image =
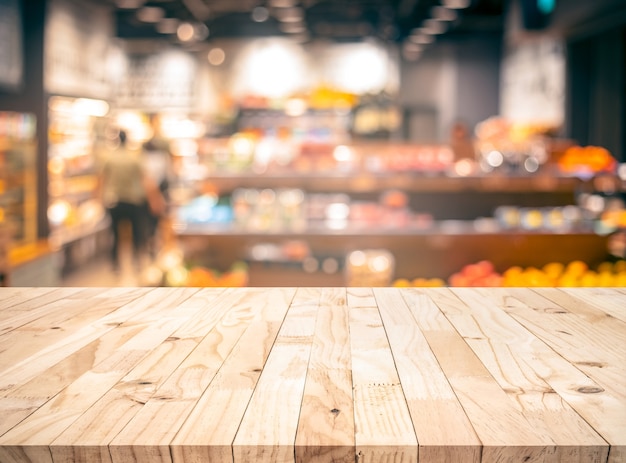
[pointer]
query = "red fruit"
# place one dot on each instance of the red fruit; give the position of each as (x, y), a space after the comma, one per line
(458, 280)
(472, 272)
(486, 266)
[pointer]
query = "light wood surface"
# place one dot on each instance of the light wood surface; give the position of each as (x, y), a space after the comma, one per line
(329, 374)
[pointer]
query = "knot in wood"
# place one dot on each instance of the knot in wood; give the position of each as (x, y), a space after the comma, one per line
(590, 389)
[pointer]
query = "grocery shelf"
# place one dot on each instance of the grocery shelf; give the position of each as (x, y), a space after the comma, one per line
(409, 182)
(426, 254)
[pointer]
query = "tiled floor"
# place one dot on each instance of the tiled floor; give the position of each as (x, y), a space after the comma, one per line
(99, 272)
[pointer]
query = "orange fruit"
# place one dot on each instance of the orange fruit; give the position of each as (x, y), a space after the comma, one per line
(401, 283)
(576, 268)
(553, 269)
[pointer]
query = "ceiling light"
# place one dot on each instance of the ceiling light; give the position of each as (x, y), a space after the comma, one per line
(293, 14)
(129, 4)
(282, 3)
(456, 4)
(413, 47)
(216, 56)
(150, 14)
(422, 39)
(200, 31)
(167, 26)
(432, 26)
(260, 14)
(185, 32)
(443, 14)
(292, 28)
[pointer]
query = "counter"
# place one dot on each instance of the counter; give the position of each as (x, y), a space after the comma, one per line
(312, 374)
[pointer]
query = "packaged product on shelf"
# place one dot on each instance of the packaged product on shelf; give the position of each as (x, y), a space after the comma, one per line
(369, 267)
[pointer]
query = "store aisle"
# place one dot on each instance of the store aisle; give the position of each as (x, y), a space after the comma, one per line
(98, 272)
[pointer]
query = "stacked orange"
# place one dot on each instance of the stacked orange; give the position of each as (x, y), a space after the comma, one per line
(553, 274)
(574, 274)
(236, 276)
(587, 158)
(418, 283)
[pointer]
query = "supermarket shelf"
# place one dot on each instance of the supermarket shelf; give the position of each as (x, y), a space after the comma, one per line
(446, 227)
(424, 254)
(408, 182)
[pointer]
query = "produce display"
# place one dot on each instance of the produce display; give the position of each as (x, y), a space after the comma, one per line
(587, 160)
(529, 154)
(200, 276)
(553, 274)
(282, 151)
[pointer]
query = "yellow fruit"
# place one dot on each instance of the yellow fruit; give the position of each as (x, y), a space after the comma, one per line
(606, 279)
(619, 266)
(605, 267)
(436, 283)
(589, 279)
(553, 269)
(513, 271)
(401, 283)
(567, 281)
(620, 279)
(576, 268)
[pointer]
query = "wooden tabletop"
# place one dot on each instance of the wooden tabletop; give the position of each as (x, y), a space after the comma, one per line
(312, 375)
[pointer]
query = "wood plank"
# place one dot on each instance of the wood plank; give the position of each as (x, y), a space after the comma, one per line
(505, 433)
(384, 431)
(580, 380)
(314, 374)
(267, 431)
(326, 429)
(22, 307)
(52, 321)
(606, 299)
(88, 438)
(444, 432)
(596, 344)
(210, 429)
(120, 349)
(12, 297)
(521, 364)
(169, 407)
(26, 367)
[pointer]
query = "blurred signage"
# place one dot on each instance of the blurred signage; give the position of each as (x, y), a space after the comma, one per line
(158, 81)
(533, 82)
(77, 41)
(11, 61)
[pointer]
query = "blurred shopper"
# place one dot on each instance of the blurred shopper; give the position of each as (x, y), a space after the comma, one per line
(461, 141)
(157, 164)
(125, 190)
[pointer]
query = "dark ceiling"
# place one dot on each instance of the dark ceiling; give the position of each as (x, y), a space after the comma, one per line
(339, 20)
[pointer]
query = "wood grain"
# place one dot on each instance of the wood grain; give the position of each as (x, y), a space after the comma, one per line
(430, 375)
(444, 432)
(504, 432)
(384, 431)
(217, 414)
(521, 364)
(120, 349)
(326, 430)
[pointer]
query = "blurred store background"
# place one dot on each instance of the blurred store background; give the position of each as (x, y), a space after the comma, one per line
(319, 142)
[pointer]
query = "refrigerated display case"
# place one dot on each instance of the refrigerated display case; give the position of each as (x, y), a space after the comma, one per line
(76, 134)
(18, 176)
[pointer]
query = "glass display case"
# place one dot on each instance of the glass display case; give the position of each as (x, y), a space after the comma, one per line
(74, 135)
(18, 176)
